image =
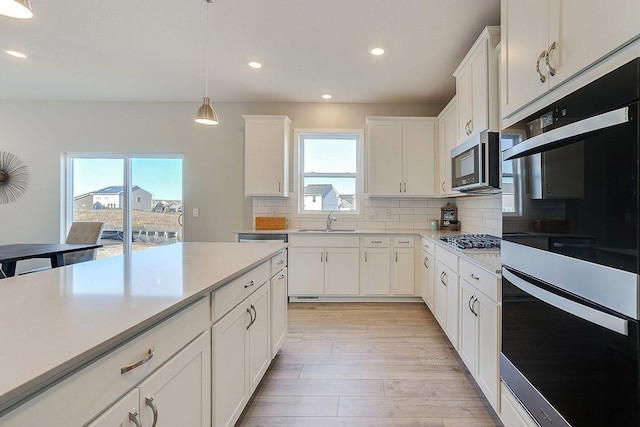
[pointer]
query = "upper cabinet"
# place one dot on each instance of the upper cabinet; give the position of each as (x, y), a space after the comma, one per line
(266, 155)
(447, 140)
(401, 153)
(547, 42)
(477, 86)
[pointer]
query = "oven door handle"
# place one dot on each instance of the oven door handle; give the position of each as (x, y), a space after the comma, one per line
(592, 315)
(601, 121)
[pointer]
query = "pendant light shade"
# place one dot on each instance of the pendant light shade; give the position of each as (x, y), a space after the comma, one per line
(20, 9)
(206, 115)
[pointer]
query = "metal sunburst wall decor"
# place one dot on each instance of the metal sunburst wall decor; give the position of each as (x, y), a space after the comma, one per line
(14, 177)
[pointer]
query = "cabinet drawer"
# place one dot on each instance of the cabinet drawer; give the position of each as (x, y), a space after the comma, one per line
(486, 282)
(403, 242)
(448, 258)
(375, 242)
(231, 294)
(278, 262)
(98, 385)
(428, 246)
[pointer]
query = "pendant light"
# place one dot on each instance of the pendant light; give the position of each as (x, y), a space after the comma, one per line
(206, 115)
(20, 9)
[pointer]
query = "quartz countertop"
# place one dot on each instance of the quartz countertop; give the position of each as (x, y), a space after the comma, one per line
(53, 320)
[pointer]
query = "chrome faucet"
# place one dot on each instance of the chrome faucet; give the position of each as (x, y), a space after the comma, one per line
(330, 219)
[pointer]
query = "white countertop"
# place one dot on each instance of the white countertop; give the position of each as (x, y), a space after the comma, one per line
(53, 320)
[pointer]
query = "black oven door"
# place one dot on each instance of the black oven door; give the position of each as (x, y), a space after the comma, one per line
(569, 361)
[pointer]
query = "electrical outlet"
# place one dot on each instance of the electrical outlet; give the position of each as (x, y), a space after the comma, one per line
(196, 212)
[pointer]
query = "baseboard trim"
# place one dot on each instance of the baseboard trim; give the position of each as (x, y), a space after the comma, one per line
(324, 298)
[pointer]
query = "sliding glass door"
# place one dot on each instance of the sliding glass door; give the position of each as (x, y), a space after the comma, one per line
(138, 197)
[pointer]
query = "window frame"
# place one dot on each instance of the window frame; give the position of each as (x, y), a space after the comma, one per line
(299, 136)
(518, 189)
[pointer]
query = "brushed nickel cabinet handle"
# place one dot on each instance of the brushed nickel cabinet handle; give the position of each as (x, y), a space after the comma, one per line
(396, 256)
(255, 315)
(135, 418)
(326, 256)
(152, 404)
(365, 256)
(279, 187)
(321, 256)
(376, 241)
(547, 62)
(470, 127)
(404, 241)
(401, 187)
(140, 362)
(473, 304)
(251, 283)
(443, 276)
(473, 276)
(426, 263)
(250, 318)
(280, 262)
(541, 76)
(443, 186)
(405, 187)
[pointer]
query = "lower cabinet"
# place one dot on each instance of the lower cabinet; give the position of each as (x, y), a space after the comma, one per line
(447, 301)
(279, 317)
(241, 355)
(324, 271)
(426, 278)
(178, 393)
(375, 271)
(403, 278)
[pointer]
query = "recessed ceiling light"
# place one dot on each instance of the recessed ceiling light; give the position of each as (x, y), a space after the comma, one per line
(16, 54)
(326, 96)
(377, 51)
(254, 64)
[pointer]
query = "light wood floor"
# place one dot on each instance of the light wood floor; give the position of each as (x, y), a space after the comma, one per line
(366, 365)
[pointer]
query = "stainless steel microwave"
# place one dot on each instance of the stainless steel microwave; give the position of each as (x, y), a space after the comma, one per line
(475, 164)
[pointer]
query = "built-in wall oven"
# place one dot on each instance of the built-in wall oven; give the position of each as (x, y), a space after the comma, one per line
(570, 294)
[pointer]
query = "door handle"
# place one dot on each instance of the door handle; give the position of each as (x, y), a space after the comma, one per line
(154, 409)
(250, 318)
(426, 263)
(135, 418)
(541, 76)
(365, 256)
(547, 62)
(150, 353)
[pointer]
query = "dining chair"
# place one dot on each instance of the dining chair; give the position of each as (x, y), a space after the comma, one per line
(83, 232)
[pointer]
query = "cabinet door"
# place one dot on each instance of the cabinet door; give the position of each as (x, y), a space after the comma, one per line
(266, 156)
(385, 158)
(429, 263)
(278, 311)
(443, 158)
(440, 296)
(451, 121)
(306, 271)
(479, 91)
(525, 35)
(403, 271)
(419, 158)
(375, 269)
(488, 374)
(179, 393)
(468, 326)
(259, 336)
(587, 30)
(123, 413)
(342, 276)
(464, 93)
(230, 376)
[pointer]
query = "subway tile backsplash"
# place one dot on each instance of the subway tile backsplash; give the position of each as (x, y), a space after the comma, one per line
(477, 214)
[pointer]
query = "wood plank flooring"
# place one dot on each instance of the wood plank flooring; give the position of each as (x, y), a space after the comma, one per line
(366, 365)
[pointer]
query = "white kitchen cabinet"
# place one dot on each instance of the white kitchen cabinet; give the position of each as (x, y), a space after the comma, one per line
(425, 273)
(375, 265)
(477, 86)
(401, 156)
(479, 329)
(241, 355)
(266, 155)
(446, 290)
(403, 276)
(125, 412)
(324, 265)
(179, 393)
(562, 34)
(447, 141)
(279, 317)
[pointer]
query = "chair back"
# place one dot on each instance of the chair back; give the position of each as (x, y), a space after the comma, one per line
(83, 232)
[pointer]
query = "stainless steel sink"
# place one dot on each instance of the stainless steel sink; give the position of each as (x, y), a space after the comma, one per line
(308, 230)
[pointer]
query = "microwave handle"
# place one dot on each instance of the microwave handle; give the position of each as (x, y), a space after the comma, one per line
(592, 315)
(601, 121)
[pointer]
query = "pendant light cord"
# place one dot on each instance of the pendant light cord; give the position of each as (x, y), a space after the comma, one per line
(206, 77)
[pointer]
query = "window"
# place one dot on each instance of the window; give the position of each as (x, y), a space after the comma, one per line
(138, 197)
(511, 187)
(329, 165)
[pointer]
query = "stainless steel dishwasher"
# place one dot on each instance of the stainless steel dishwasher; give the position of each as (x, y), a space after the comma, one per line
(262, 238)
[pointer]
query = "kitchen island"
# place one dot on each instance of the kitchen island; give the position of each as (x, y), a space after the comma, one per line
(56, 326)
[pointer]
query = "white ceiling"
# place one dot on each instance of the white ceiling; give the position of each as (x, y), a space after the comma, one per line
(144, 50)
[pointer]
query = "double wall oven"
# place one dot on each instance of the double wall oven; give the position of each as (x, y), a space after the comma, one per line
(570, 297)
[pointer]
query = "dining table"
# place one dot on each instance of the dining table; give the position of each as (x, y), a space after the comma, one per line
(12, 253)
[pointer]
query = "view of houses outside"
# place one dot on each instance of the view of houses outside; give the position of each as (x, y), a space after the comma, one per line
(156, 204)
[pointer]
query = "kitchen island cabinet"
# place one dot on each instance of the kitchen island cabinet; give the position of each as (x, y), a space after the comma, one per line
(136, 329)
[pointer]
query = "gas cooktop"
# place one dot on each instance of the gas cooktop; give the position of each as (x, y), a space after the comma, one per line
(472, 241)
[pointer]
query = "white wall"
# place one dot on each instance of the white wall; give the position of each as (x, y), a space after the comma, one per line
(41, 132)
